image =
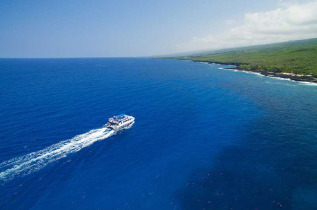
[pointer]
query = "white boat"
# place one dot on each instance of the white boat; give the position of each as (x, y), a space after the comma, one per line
(120, 122)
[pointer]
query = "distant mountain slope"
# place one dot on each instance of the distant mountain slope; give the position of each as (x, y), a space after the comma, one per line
(297, 57)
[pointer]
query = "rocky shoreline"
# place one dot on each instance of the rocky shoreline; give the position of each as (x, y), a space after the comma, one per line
(283, 75)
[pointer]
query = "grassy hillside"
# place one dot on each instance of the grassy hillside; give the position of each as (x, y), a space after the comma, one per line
(299, 57)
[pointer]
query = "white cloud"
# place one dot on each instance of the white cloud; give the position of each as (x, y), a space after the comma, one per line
(290, 21)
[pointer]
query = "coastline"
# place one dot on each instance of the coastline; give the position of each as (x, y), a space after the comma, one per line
(281, 75)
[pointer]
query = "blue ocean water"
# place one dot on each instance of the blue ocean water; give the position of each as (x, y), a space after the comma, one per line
(204, 138)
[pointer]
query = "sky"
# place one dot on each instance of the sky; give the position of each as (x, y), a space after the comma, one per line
(137, 28)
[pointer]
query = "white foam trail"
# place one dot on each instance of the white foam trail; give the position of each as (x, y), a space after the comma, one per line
(34, 161)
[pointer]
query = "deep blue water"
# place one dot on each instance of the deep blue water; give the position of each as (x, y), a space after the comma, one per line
(203, 137)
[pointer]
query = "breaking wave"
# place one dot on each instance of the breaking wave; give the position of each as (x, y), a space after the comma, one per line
(34, 161)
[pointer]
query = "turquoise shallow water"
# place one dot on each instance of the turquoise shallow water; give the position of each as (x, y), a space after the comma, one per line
(203, 137)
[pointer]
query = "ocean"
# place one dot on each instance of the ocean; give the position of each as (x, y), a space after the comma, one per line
(203, 138)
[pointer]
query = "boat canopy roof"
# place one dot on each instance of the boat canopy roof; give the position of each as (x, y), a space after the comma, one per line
(120, 115)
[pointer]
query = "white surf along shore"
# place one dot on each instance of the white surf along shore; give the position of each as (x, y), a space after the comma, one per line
(259, 74)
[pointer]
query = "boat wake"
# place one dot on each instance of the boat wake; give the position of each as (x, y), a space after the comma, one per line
(34, 161)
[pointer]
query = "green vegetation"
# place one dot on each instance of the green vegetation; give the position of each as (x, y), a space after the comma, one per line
(298, 57)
